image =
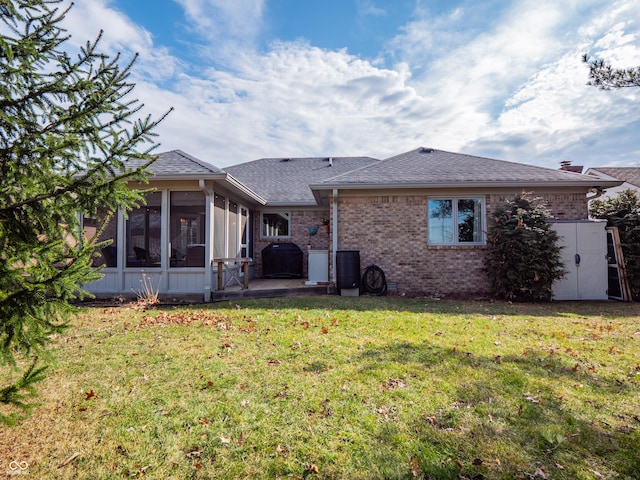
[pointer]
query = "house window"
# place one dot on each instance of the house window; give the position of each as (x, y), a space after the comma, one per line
(91, 226)
(455, 221)
(276, 224)
(187, 228)
(143, 233)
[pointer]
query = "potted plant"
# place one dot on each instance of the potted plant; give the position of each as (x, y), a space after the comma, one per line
(325, 224)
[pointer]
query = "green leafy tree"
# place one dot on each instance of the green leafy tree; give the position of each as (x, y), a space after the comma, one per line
(604, 76)
(623, 211)
(523, 257)
(67, 130)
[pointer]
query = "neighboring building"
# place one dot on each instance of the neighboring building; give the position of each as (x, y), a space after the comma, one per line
(630, 176)
(420, 216)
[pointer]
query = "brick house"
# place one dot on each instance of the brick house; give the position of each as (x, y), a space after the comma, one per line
(420, 216)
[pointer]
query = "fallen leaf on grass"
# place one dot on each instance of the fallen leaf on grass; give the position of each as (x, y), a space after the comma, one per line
(413, 464)
(325, 330)
(90, 394)
(393, 384)
(311, 468)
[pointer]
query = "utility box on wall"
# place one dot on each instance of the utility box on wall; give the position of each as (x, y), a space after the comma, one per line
(585, 260)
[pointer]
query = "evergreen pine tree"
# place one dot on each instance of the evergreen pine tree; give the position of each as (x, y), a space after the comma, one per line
(67, 129)
(523, 257)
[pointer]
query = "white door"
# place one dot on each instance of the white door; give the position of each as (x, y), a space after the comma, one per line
(585, 259)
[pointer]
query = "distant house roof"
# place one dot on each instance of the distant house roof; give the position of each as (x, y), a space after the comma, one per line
(630, 175)
(285, 181)
(430, 168)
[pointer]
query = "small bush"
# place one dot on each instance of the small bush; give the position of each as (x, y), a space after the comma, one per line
(523, 258)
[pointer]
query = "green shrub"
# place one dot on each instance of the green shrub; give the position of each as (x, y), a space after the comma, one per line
(523, 257)
(623, 211)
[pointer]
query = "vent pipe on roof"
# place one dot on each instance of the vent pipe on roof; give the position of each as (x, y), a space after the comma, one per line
(426, 150)
(330, 161)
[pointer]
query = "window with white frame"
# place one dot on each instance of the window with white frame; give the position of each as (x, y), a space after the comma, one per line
(455, 221)
(276, 224)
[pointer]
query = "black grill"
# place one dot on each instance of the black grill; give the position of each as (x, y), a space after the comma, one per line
(282, 260)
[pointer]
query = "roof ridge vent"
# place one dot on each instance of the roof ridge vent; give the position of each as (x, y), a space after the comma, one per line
(285, 159)
(426, 150)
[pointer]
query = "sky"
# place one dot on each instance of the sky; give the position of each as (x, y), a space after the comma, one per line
(504, 79)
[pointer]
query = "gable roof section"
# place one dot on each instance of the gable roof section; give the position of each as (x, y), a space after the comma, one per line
(630, 175)
(285, 181)
(430, 168)
(178, 165)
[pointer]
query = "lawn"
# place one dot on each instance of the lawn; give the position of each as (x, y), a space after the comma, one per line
(339, 387)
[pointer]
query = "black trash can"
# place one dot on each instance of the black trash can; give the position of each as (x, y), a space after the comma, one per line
(347, 269)
(282, 260)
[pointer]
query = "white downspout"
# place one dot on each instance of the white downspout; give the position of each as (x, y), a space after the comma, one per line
(334, 233)
(208, 240)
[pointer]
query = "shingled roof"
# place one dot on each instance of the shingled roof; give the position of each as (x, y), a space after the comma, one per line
(285, 181)
(430, 168)
(177, 163)
(627, 174)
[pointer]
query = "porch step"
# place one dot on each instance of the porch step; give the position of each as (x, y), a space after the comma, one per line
(233, 294)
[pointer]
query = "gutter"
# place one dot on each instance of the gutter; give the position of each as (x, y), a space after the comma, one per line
(467, 184)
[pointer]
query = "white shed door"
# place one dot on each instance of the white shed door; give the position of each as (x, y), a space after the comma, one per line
(585, 259)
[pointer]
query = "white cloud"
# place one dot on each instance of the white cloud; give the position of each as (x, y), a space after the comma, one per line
(225, 22)
(510, 87)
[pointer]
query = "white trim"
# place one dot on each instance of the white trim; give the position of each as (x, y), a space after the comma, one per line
(271, 212)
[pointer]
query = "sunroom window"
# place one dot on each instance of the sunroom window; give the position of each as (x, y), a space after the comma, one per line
(455, 221)
(143, 233)
(187, 229)
(276, 224)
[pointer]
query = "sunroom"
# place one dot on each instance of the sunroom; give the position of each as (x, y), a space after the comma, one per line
(194, 213)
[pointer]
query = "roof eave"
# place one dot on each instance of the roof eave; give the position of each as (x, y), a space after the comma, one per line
(597, 183)
(215, 177)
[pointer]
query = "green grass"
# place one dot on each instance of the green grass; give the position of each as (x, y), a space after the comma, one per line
(337, 387)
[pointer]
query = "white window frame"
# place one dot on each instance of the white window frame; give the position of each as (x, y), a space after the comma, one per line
(454, 204)
(264, 234)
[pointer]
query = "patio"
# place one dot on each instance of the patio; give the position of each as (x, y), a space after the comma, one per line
(271, 287)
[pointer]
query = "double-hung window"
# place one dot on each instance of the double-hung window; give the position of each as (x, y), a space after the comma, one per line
(455, 221)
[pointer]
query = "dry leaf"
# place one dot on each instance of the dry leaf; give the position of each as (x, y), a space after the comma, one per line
(90, 394)
(413, 464)
(325, 330)
(224, 439)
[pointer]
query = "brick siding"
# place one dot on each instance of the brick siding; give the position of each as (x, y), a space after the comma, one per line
(300, 220)
(391, 232)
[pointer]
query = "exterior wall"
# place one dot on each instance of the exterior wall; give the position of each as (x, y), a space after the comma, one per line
(390, 231)
(301, 219)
